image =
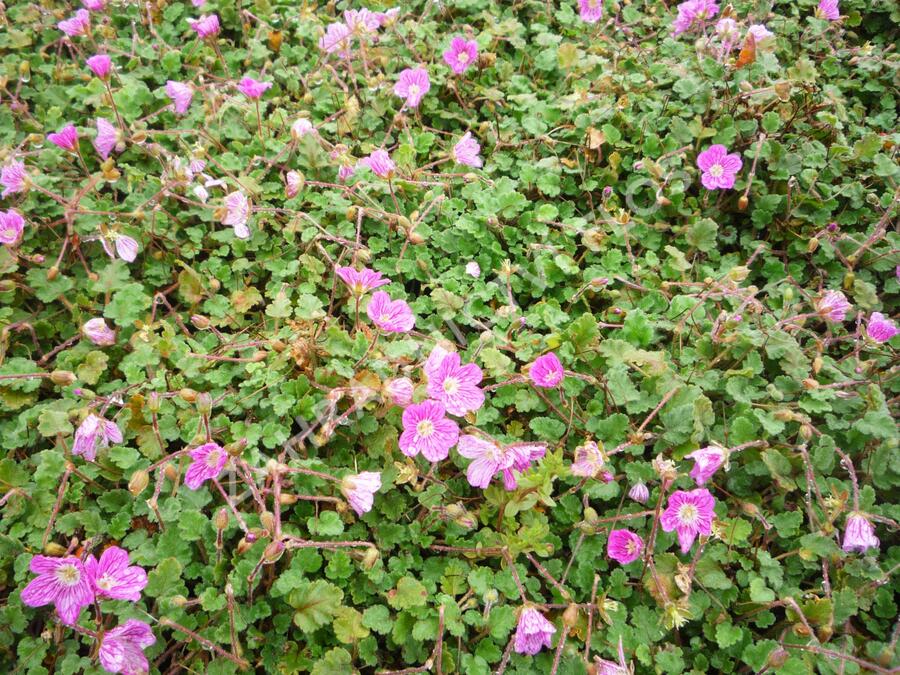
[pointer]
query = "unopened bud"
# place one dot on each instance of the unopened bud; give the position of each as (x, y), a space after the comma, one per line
(277, 345)
(570, 616)
(286, 499)
(153, 400)
(415, 238)
(812, 245)
(268, 520)
(171, 472)
(806, 432)
(743, 202)
(139, 481)
(187, 394)
(237, 448)
(204, 403)
(62, 378)
(243, 546)
(370, 557)
(259, 355)
(54, 549)
(221, 519)
(200, 322)
(178, 600)
(52, 273)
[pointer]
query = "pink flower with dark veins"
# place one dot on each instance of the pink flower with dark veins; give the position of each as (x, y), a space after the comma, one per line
(237, 213)
(361, 281)
(533, 632)
(181, 95)
(466, 151)
(360, 489)
(99, 333)
(337, 38)
(412, 85)
(828, 9)
(490, 458)
(100, 65)
(859, 535)
(880, 328)
(14, 178)
(380, 163)
(122, 648)
(624, 546)
(427, 430)
(106, 139)
(12, 226)
(76, 25)
(398, 391)
(94, 431)
(461, 54)
(546, 371)
(833, 306)
(391, 316)
(707, 461)
(456, 385)
(209, 460)
(590, 11)
(62, 582)
(112, 576)
(689, 514)
(66, 138)
(207, 26)
(253, 89)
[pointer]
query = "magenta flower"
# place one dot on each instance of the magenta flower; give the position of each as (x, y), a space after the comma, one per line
(491, 459)
(12, 225)
(359, 490)
(125, 247)
(379, 162)
(345, 171)
(253, 89)
(533, 632)
(689, 514)
(461, 54)
(14, 178)
(589, 460)
(412, 85)
(759, 32)
(361, 281)
(100, 65)
(94, 5)
(76, 25)
(336, 39)
(122, 648)
(94, 431)
(99, 333)
(391, 316)
(456, 386)
(880, 328)
(237, 213)
(546, 371)
(107, 137)
(301, 127)
(639, 493)
(434, 360)
(833, 306)
(205, 26)
(398, 391)
(209, 460)
(828, 9)
(466, 151)
(181, 95)
(718, 167)
(706, 462)
(112, 577)
(66, 138)
(426, 430)
(590, 11)
(624, 546)
(859, 534)
(693, 13)
(62, 582)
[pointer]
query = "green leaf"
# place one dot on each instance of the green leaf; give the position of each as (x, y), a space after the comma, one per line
(315, 603)
(408, 593)
(348, 625)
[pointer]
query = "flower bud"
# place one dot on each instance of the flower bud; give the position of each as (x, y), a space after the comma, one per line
(237, 448)
(153, 400)
(812, 245)
(200, 322)
(743, 202)
(187, 394)
(639, 493)
(268, 520)
(277, 345)
(139, 481)
(62, 378)
(204, 403)
(170, 471)
(370, 557)
(243, 546)
(178, 600)
(54, 549)
(220, 520)
(570, 616)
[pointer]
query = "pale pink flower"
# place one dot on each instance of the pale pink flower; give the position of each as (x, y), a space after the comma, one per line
(94, 5)
(624, 546)
(461, 54)
(727, 30)
(533, 632)
(253, 89)
(719, 168)
(491, 458)
(689, 514)
(589, 460)
(361, 281)
(115, 243)
(427, 430)
(706, 462)
(391, 316)
(434, 360)
(639, 493)
(398, 391)
(759, 32)
(546, 371)
(694, 13)
(345, 171)
(359, 490)
(880, 328)
(14, 178)
(412, 85)
(12, 226)
(590, 11)
(388, 17)
(379, 162)
(336, 39)
(106, 139)
(209, 460)
(859, 534)
(473, 269)
(99, 333)
(833, 306)
(181, 95)
(100, 65)
(456, 385)
(62, 582)
(66, 138)
(606, 667)
(122, 648)
(76, 25)
(112, 577)
(466, 151)
(94, 431)
(292, 182)
(301, 127)
(237, 213)
(828, 9)
(361, 21)
(206, 26)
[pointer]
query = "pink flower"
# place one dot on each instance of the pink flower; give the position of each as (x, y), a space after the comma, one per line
(100, 65)
(461, 54)
(99, 333)
(107, 137)
(345, 171)
(694, 13)
(473, 269)
(62, 582)
(12, 225)
(589, 460)
(253, 89)
(881, 329)
(689, 514)
(859, 534)
(125, 247)
(237, 213)
(76, 25)
(14, 178)
(337, 38)
(706, 462)
(66, 138)
(639, 493)
(301, 127)
(92, 432)
(361, 21)
(491, 459)
(391, 316)
(546, 371)
(533, 632)
(466, 151)
(112, 577)
(727, 30)
(624, 546)
(833, 306)
(94, 5)
(359, 490)
(412, 85)
(590, 11)
(456, 385)
(828, 9)
(426, 430)
(181, 94)
(388, 17)
(398, 391)
(209, 460)
(122, 648)
(434, 360)
(380, 163)
(718, 167)
(292, 183)
(759, 32)
(361, 281)
(205, 26)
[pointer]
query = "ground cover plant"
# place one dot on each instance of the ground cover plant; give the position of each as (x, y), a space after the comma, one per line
(450, 337)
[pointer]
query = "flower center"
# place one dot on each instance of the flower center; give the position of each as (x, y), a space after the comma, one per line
(593, 3)
(688, 514)
(212, 459)
(631, 547)
(68, 575)
(463, 57)
(413, 90)
(384, 318)
(106, 582)
(424, 429)
(716, 170)
(451, 386)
